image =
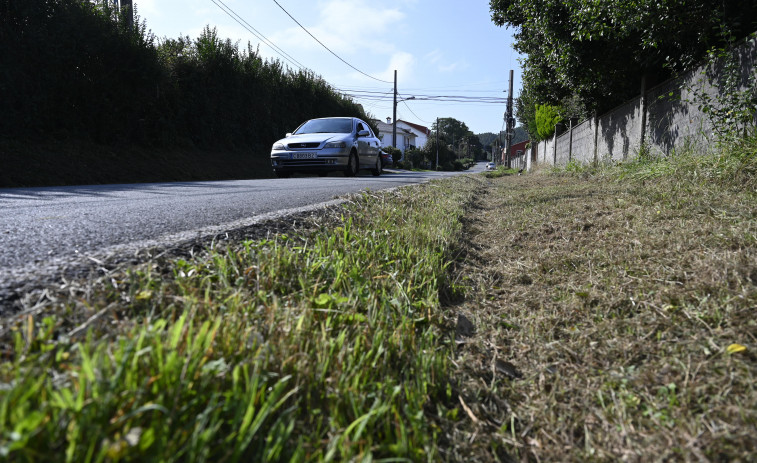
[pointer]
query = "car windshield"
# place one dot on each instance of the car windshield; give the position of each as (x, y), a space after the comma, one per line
(326, 126)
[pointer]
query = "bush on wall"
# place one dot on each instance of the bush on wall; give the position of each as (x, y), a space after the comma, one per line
(547, 116)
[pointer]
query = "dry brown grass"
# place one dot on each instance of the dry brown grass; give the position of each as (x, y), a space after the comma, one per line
(603, 311)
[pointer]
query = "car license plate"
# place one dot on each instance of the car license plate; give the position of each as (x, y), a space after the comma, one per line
(303, 156)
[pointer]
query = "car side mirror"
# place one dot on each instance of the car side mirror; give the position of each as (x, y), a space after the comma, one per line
(289, 134)
(363, 133)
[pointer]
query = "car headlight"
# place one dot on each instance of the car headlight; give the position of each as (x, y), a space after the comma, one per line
(335, 144)
(278, 147)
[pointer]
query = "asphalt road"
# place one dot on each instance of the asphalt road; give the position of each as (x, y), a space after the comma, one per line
(43, 225)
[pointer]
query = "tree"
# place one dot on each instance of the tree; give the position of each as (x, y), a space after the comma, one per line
(446, 155)
(451, 130)
(600, 49)
(547, 117)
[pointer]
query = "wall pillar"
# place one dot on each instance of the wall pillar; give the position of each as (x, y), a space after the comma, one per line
(554, 148)
(596, 135)
(643, 108)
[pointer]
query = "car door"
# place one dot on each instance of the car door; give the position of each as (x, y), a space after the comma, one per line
(364, 145)
(375, 145)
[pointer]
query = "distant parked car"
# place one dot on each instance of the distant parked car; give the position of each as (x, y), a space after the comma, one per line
(345, 144)
(386, 159)
(490, 166)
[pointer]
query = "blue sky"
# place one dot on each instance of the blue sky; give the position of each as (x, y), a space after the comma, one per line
(438, 47)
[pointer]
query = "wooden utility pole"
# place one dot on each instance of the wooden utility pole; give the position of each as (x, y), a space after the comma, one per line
(509, 121)
(394, 113)
(437, 143)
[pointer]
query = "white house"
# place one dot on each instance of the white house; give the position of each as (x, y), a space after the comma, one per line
(405, 138)
(409, 135)
(421, 133)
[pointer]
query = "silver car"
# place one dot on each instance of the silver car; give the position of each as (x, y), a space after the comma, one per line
(345, 144)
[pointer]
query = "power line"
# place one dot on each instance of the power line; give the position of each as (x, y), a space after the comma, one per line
(233, 15)
(327, 48)
(373, 94)
(434, 98)
(377, 90)
(408, 108)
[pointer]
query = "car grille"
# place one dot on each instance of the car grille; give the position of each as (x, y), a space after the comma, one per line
(303, 145)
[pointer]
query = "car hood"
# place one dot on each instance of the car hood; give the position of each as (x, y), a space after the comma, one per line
(315, 138)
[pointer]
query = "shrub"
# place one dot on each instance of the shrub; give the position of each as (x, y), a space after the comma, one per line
(416, 156)
(547, 116)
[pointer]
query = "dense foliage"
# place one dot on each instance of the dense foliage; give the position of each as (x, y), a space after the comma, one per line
(456, 138)
(73, 70)
(69, 67)
(600, 50)
(546, 118)
(451, 129)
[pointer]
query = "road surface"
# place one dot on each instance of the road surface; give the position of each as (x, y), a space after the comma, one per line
(45, 227)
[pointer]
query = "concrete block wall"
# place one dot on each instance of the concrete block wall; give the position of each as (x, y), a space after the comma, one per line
(672, 119)
(583, 142)
(563, 148)
(619, 132)
(546, 152)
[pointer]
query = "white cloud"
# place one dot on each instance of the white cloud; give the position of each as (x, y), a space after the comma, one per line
(403, 63)
(345, 27)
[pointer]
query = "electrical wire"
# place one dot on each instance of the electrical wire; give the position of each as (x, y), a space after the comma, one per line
(434, 99)
(233, 15)
(327, 48)
(408, 108)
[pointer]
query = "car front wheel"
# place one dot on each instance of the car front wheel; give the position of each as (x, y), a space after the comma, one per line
(352, 166)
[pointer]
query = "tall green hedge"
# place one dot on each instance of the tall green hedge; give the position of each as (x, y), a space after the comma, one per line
(71, 69)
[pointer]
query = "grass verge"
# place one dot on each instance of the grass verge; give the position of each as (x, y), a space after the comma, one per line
(323, 344)
(613, 313)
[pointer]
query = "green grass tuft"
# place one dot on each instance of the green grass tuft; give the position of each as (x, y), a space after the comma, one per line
(318, 345)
